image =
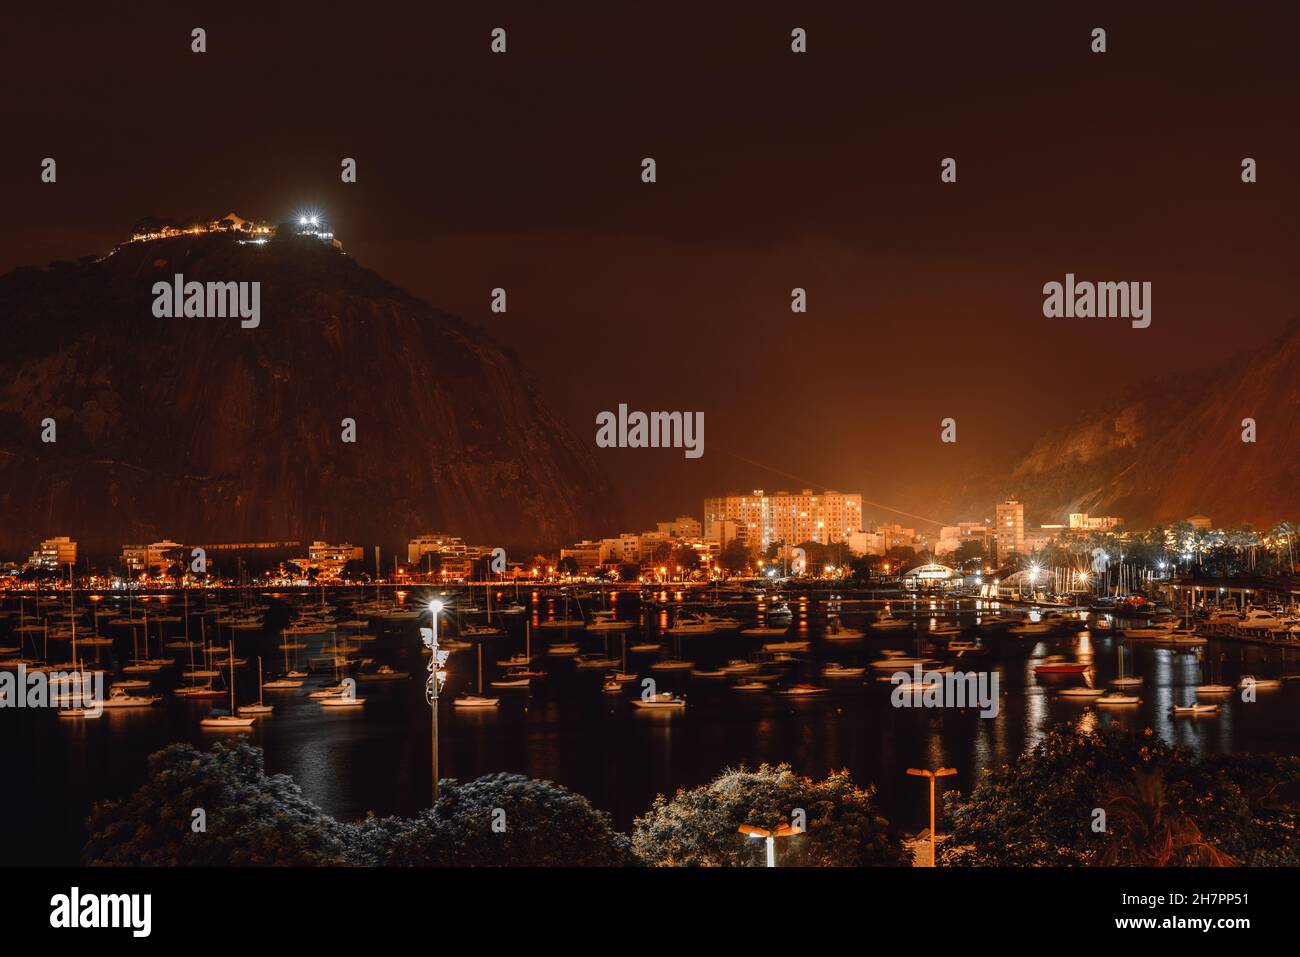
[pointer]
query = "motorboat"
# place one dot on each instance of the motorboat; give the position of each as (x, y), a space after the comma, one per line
(1028, 628)
(1153, 630)
(1260, 620)
(691, 626)
(803, 691)
(513, 680)
(786, 646)
(672, 665)
(384, 673)
(594, 662)
(225, 722)
(836, 670)
(1250, 681)
(835, 631)
(1195, 708)
(1212, 689)
(1115, 698)
(1062, 668)
(765, 630)
(574, 623)
(887, 622)
(663, 701)
(475, 701)
(341, 701)
(1082, 692)
(131, 684)
(121, 698)
(283, 684)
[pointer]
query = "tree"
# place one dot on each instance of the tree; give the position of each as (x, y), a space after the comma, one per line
(700, 827)
(568, 565)
(735, 556)
(508, 820)
(251, 818)
(1147, 830)
(1040, 810)
(248, 816)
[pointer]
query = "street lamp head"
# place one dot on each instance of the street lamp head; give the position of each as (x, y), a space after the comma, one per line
(435, 606)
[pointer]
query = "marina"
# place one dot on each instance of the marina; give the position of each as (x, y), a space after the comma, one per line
(721, 693)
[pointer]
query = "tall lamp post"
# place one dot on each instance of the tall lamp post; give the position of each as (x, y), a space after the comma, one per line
(433, 684)
(925, 773)
(762, 833)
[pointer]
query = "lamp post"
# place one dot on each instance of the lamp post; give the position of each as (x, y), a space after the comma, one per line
(785, 830)
(925, 773)
(433, 684)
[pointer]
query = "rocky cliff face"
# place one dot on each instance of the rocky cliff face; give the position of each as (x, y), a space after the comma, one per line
(1172, 447)
(203, 431)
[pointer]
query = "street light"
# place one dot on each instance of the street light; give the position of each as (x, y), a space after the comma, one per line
(925, 773)
(437, 678)
(785, 830)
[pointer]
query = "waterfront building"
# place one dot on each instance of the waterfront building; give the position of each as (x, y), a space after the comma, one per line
(585, 555)
(827, 517)
(1201, 523)
(329, 560)
(149, 559)
(54, 553)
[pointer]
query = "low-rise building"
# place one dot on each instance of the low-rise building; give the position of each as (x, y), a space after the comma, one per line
(149, 559)
(54, 553)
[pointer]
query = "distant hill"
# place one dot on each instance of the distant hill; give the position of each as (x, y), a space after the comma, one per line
(202, 431)
(1171, 447)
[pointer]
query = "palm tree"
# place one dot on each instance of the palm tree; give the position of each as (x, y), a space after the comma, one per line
(1147, 830)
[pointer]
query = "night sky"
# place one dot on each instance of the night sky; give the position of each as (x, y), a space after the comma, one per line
(775, 170)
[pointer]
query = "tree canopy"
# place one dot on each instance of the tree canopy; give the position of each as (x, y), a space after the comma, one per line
(700, 827)
(1041, 808)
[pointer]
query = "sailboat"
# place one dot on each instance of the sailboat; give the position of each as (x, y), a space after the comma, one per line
(261, 707)
(477, 700)
(1121, 681)
(290, 678)
(231, 721)
(1214, 687)
(204, 690)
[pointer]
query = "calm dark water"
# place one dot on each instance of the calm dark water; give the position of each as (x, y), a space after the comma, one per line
(566, 730)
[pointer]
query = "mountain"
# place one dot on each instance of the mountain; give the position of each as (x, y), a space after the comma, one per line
(203, 431)
(1172, 447)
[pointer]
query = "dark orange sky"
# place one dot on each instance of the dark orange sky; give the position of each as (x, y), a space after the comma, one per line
(775, 170)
